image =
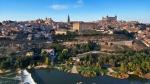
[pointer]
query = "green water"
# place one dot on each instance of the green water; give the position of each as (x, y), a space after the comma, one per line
(53, 76)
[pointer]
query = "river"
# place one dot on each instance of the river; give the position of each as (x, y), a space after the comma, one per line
(53, 76)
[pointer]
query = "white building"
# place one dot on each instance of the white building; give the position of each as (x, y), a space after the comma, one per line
(29, 53)
(76, 59)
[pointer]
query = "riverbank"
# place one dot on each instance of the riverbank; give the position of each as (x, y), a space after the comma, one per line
(40, 66)
(83, 71)
(147, 76)
(5, 71)
(118, 75)
(54, 76)
(92, 71)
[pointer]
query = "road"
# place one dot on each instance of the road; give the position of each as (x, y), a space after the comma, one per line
(95, 52)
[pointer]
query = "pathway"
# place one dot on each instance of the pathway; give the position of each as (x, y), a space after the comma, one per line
(95, 52)
(74, 69)
(111, 70)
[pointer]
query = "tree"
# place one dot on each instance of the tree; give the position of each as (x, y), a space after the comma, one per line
(90, 45)
(67, 64)
(91, 59)
(36, 50)
(70, 59)
(59, 47)
(138, 71)
(123, 68)
(4, 65)
(32, 63)
(98, 66)
(112, 63)
(52, 64)
(65, 53)
(89, 63)
(47, 61)
(131, 66)
(145, 66)
(85, 48)
(1, 23)
(60, 57)
(84, 63)
(45, 54)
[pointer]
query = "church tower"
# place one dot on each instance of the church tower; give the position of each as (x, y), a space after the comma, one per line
(68, 19)
(116, 17)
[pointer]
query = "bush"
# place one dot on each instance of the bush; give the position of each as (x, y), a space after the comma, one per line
(89, 73)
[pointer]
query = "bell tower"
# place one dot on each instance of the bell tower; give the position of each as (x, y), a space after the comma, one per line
(68, 19)
(116, 17)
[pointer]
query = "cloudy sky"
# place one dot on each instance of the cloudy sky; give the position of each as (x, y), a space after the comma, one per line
(79, 10)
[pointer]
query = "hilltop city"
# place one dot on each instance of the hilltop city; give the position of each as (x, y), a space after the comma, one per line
(35, 29)
(78, 44)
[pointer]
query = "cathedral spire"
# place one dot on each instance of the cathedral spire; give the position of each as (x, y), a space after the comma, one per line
(68, 18)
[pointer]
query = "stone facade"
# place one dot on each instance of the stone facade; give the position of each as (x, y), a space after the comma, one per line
(61, 32)
(48, 21)
(109, 19)
(84, 26)
(127, 43)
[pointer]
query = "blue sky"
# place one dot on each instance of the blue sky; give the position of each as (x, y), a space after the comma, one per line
(79, 10)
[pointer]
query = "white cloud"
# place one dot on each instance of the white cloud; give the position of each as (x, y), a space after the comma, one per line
(78, 4)
(59, 7)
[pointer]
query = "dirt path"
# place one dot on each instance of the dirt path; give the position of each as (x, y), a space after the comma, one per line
(111, 70)
(74, 70)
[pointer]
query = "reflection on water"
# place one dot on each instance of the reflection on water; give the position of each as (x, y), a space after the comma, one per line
(53, 76)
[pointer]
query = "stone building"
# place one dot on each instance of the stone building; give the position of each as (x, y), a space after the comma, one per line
(61, 32)
(48, 21)
(127, 43)
(29, 53)
(84, 26)
(109, 19)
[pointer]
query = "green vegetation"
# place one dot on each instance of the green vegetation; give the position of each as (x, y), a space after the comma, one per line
(136, 62)
(5, 41)
(98, 71)
(69, 37)
(66, 68)
(89, 73)
(90, 65)
(116, 69)
(125, 32)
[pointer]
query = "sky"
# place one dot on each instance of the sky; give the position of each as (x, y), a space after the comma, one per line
(78, 10)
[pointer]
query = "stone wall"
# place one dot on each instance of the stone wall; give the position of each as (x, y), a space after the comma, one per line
(84, 26)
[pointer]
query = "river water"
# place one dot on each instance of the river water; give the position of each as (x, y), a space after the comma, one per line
(53, 76)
